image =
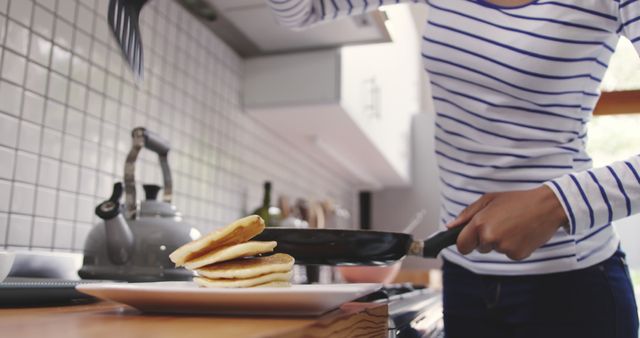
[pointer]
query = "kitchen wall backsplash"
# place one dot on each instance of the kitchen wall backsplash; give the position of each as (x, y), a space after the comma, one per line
(68, 105)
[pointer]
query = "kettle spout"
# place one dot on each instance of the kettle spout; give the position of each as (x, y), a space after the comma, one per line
(120, 240)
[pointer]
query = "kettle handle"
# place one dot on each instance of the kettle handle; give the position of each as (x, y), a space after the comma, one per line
(144, 138)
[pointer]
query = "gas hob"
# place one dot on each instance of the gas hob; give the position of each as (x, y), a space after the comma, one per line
(414, 311)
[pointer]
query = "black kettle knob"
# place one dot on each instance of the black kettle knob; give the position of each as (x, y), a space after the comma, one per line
(151, 191)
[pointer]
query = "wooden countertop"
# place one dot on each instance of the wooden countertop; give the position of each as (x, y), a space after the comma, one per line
(107, 319)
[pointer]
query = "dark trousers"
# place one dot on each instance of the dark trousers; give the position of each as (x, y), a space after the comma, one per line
(594, 302)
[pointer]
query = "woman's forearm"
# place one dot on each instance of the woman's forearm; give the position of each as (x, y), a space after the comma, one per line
(298, 14)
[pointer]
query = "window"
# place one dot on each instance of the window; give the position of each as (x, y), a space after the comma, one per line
(621, 83)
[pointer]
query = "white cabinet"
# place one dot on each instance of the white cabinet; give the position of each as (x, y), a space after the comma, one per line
(350, 107)
(381, 87)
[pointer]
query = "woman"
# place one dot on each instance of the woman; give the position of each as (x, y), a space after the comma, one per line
(514, 84)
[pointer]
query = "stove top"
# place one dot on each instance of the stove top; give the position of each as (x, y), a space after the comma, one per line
(414, 310)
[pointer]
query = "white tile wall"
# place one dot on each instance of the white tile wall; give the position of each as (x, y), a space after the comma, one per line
(63, 235)
(17, 36)
(23, 197)
(7, 158)
(8, 131)
(19, 231)
(5, 195)
(42, 232)
(29, 138)
(4, 221)
(33, 109)
(68, 104)
(10, 98)
(45, 202)
(26, 167)
(13, 67)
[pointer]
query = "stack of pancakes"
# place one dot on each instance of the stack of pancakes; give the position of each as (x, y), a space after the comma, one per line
(226, 258)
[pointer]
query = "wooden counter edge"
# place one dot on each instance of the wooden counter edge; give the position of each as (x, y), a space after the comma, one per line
(350, 320)
(104, 319)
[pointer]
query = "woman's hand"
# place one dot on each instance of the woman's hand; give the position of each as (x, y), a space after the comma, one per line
(514, 223)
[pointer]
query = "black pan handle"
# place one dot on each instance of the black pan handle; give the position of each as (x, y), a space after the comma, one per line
(441, 240)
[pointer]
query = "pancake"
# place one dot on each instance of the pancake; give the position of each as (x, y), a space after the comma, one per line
(230, 252)
(279, 277)
(248, 267)
(239, 231)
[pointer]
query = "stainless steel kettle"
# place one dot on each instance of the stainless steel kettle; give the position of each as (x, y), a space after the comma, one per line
(134, 240)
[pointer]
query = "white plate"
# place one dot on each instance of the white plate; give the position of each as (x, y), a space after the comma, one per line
(187, 297)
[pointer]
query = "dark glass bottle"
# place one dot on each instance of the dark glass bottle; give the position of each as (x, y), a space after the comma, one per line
(263, 211)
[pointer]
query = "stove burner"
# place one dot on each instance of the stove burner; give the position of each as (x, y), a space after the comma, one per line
(414, 310)
(388, 292)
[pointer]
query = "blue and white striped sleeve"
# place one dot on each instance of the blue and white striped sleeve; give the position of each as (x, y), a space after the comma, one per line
(629, 14)
(596, 197)
(299, 14)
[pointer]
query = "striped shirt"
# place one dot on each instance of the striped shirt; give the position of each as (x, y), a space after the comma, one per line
(513, 90)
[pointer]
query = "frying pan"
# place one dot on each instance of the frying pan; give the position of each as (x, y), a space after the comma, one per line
(355, 247)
